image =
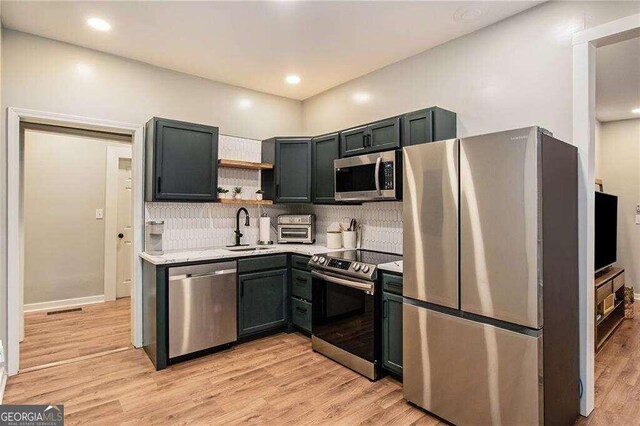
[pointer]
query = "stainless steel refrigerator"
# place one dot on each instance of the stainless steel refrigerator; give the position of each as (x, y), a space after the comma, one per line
(490, 313)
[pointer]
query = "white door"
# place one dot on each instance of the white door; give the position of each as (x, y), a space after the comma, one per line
(124, 268)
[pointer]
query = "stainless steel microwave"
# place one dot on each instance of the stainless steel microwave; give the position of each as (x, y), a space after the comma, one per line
(370, 177)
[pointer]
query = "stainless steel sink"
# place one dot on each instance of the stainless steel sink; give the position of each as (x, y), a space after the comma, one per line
(247, 248)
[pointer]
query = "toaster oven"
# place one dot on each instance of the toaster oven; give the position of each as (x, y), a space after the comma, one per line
(297, 228)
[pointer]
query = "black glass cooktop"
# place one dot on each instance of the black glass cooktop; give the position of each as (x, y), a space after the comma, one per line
(365, 256)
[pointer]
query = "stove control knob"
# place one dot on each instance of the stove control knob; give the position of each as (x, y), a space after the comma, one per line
(365, 269)
(314, 259)
(356, 267)
(322, 260)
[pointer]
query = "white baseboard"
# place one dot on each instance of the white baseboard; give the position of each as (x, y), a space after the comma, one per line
(57, 304)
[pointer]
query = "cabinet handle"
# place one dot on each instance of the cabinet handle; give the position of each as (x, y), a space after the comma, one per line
(301, 310)
(159, 183)
(302, 280)
(384, 309)
(364, 141)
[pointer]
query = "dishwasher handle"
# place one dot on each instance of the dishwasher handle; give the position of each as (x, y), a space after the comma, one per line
(204, 274)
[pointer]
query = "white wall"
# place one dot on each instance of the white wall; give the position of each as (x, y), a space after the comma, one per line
(512, 74)
(64, 184)
(619, 162)
(46, 75)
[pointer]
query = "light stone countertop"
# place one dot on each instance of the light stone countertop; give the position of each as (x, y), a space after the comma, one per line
(216, 253)
(391, 267)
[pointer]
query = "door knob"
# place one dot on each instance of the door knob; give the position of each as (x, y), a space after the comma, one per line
(121, 235)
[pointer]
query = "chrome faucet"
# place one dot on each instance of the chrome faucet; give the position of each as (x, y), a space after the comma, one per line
(246, 223)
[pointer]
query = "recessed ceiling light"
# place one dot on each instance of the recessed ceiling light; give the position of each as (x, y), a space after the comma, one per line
(469, 14)
(293, 79)
(99, 24)
(636, 111)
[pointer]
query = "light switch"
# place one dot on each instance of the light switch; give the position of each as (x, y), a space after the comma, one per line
(99, 213)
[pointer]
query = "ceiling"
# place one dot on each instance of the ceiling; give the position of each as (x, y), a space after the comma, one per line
(257, 44)
(618, 80)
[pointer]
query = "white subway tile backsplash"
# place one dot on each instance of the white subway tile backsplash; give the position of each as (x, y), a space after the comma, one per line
(197, 225)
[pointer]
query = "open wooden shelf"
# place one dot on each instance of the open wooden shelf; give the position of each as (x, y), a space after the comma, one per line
(244, 165)
(605, 316)
(241, 201)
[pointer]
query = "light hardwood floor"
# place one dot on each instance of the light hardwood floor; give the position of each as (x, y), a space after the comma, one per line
(96, 328)
(617, 373)
(276, 380)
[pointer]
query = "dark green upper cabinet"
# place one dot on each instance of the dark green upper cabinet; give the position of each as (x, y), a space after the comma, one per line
(428, 125)
(325, 149)
(353, 141)
(181, 161)
(262, 304)
(379, 136)
(290, 179)
(392, 332)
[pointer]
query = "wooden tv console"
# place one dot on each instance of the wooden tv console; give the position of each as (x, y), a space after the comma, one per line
(609, 304)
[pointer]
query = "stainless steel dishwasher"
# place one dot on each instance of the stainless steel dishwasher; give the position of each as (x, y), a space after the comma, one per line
(202, 307)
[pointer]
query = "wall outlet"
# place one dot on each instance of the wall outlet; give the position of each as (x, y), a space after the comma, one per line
(99, 213)
(638, 219)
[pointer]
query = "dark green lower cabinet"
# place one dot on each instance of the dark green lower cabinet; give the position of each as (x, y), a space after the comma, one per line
(392, 332)
(262, 301)
(301, 314)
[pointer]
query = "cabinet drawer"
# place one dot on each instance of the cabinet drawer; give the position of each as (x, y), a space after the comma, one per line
(392, 283)
(603, 291)
(301, 284)
(300, 262)
(301, 314)
(618, 282)
(252, 264)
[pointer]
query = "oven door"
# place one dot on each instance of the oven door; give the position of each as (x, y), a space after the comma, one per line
(294, 233)
(367, 177)
(343, 314)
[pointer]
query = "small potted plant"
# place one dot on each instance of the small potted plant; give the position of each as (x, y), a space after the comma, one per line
(236, 192)
(259, 194)
(222, 193)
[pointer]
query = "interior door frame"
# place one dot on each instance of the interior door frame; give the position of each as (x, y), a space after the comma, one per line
(16, 116)
(114, 154)
(584, 117)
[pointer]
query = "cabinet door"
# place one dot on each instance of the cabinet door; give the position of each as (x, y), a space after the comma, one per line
(262, 304)
(186, 161)
(353, 141)
(293, 174)
(417, 127)
(325, 150)
(392, 332)
(383, 135)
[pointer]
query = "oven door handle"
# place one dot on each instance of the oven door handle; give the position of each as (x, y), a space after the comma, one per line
(369, 288)
(376, 178)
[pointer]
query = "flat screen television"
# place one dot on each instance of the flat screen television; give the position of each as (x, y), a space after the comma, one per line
(606, 230)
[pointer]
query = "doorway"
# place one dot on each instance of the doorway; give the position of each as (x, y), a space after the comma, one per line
(66, 313)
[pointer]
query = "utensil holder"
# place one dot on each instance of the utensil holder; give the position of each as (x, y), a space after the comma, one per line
(349, 239)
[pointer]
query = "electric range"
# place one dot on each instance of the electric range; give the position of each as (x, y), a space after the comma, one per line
(347, 308)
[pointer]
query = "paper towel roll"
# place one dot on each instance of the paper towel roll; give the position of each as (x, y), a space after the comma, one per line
(265, 228)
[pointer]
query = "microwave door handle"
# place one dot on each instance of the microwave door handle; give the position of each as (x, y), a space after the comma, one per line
(377, 175)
